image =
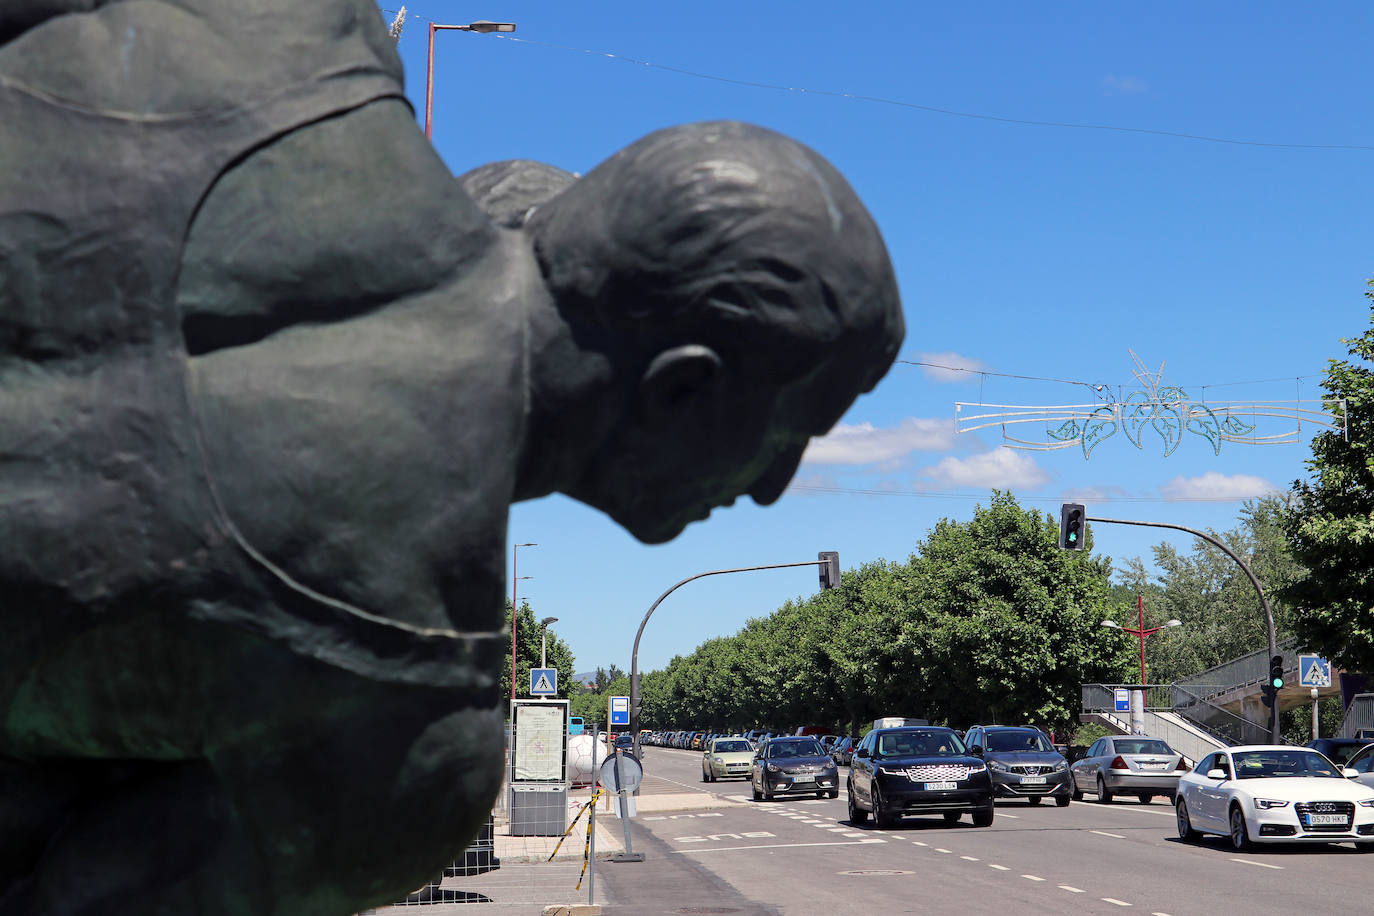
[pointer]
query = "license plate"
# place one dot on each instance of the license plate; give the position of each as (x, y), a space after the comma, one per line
(1153, 766)
(803, 779)
(1315, 820)
(1033, 780)
(933, 786)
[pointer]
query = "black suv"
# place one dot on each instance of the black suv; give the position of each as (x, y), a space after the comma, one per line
(925, 770)
(1021, 762)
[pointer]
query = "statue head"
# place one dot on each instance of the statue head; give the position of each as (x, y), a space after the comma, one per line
(745, 291)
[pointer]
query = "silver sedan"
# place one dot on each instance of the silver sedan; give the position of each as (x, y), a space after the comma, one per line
(1128, 765)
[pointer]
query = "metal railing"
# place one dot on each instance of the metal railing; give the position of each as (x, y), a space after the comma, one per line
(1220, 723)
(1252, 668)
(1359, 715)
(1102, 697)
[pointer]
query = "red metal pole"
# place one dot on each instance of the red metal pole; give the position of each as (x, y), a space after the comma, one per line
(1140, 607)
(429, 130)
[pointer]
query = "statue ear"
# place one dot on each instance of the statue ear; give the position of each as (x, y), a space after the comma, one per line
(679, 377)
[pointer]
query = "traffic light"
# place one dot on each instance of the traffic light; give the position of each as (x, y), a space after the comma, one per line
(830, 568)
(1073, 532)
(1270, 691)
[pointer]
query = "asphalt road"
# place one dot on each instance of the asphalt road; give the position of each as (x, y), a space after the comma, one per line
(801, 856)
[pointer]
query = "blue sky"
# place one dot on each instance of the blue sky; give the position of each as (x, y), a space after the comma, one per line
(1020, 249)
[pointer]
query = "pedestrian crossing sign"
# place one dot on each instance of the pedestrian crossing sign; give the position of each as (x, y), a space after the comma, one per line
(1314, 671)
(543, 682)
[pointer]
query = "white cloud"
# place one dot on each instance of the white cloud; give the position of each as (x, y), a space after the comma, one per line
(1113, 83)
(864, 443)
(1003, 468)
(954, 362)
(1214, 485)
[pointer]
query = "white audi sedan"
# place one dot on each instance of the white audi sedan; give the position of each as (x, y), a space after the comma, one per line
(1274, 794)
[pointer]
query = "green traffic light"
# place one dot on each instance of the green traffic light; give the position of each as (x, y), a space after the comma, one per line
(1073, 537)
(1278, 682)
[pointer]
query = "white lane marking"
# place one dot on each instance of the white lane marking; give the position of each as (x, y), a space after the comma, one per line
(1071, 889)
(970, 858)
(938, 849)
(1159, 914)
(1119, 836)
(1000, 867)
(775, 846)
(1115, 902)
(1259, 864)
(851, 834)
(1033, 877)
(1012, 816)
(918, 843)
(837, 829)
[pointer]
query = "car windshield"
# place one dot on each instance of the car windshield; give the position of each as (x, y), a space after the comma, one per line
(1272, 764)
(802, 747)
(1341, 753)
(1141, 746)
(1019, 740)
(919, 744)
(727, 747)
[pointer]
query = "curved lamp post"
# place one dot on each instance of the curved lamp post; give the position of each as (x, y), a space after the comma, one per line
(1141, 632)
(543, 640)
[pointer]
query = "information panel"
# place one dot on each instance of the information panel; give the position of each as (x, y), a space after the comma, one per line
(537, 752)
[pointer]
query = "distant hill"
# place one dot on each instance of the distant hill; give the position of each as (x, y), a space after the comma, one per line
(585, 677)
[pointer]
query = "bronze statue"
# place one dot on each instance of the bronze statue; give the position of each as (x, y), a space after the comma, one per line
(270, 380)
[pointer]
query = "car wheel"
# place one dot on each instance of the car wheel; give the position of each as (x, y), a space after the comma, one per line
(857, 815)
(767, 790)
(1033, 800)
(983, 816)
(951, 817)
(1077, 793)
(1063, 800)
(1365, 847)
(882, 816)
(834, 793)
(704, 777)
(757, 794)
(1185, 826)
(1240, 833)
(1103, 796)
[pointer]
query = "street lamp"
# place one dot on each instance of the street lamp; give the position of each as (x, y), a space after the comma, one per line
(1141, 631)
(481, 25)
(543, 640)
(514, 608)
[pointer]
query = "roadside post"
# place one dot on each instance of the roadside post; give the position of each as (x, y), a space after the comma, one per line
(1314, 671)
(623, 774)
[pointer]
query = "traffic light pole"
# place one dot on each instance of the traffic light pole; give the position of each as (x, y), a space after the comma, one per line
(1274, 735)
(635, 700)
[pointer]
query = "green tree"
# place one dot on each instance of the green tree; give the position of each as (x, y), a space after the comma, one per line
(1330, 523)
(527, 633)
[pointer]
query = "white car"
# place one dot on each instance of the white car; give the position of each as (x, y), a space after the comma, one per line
(1274, 794)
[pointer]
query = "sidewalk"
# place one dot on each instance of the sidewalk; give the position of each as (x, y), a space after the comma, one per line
(610, 833)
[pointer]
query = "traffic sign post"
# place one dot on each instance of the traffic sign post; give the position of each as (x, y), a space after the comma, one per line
(543, 682)
(1121, 699)
(622, 774)
(620, 711)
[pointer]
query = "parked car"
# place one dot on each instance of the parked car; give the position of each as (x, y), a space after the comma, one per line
(1021, 762)
(1128, 765)
(791, 765)
(1363, 765)
(1339, 750)
(901, 771)
(726, 758)
(1274, 794)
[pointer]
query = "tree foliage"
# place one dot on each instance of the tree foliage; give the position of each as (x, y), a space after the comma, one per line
(527, 636)
(1330, 524)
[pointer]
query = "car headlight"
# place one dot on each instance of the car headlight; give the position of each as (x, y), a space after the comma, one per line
(773, 768)
(998, 766)
(976, 768)
(830, 765)
(1367, 803)
(892, 771)
(1264, 804)
(1061, 766)
(717, 760)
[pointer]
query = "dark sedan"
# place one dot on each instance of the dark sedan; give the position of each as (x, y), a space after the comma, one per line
(791, 765)
(927, 770)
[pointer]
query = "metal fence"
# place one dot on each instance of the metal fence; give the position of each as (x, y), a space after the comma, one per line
(1359, 717)
(1196, 710)
(541, 843)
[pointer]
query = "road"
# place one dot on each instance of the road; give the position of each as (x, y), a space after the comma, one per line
(801, 856)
